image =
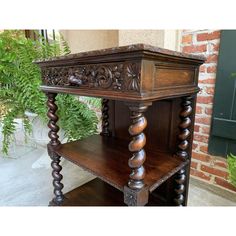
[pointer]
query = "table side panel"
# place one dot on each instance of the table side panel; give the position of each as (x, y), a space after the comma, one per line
(158, 76)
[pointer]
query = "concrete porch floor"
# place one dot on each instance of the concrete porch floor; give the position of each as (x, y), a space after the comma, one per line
(22, 185)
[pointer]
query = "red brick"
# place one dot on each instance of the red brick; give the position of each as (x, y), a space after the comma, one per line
(198, 110)
(221, 164)
(225, 184)
(216, 47)
(214, 171)
(203, 120)
(205, 129)
(210, 90)
(199, 174)
(202, 68)
(194, 146)
(208, 36)
(208, 111)
(211, 69)
(205, 99)
(214, 35)
(207, 81)
(194, 164)
(196, 128)
(201, 156)
(203, 148)
(187, 39)
(200, 138)
(195, 48)
(202, 37)
(212, 58)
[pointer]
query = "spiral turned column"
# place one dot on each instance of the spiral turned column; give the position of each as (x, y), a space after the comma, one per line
(184, 127)
(54, 142)
(183, 146)
(180, 179)
(139, 123)
(105, 118)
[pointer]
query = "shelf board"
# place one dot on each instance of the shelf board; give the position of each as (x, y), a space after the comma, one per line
(107, 158)
(99, 193)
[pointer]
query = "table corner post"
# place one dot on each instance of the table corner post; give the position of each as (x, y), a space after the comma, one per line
(135, 192)
(52, 145)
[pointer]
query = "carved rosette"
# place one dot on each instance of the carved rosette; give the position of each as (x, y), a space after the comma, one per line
(133, 77)
(130, 197)
(105, 118)
(123, 76)
(57, 177)
(135, 197)
(183, 148)
(136, 145)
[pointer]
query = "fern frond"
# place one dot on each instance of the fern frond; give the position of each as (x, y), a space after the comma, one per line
(20, 79)
(8, 128)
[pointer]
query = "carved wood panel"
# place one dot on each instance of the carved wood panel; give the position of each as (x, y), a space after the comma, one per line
(119, 76)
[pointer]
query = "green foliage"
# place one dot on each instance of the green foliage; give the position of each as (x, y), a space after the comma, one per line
(233, 75)
(8, 128)
(231, 160)
(20, 79)
(78, 121)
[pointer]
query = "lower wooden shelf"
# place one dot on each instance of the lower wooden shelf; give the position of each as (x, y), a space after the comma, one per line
(107, 158)
(99, 193)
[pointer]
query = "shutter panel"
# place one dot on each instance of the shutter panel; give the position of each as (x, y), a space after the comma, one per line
(223, 129)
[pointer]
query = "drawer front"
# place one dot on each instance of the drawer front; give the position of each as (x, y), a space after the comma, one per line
(116, 77)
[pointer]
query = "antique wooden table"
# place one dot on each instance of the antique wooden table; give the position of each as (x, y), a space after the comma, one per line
(142, 156)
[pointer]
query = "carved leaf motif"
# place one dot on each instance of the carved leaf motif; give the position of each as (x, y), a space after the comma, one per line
(105, 77)
(117, 76)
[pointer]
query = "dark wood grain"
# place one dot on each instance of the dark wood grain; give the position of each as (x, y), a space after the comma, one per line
(125, 51)
(166, 77)
(119, 96)
(107, 158)
(135, 72)
(183, 148)
(105, 118)
(139, 156)
(136, 145)
(162, 123)
(99, 193)
(54, 142)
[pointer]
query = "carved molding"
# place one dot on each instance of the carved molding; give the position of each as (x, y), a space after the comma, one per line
(112, 76)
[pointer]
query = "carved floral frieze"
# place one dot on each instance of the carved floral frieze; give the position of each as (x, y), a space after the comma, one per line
(112, 76)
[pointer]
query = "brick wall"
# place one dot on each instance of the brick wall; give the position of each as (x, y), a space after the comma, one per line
(205, 167)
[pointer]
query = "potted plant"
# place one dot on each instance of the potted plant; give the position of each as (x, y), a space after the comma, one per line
(231, 161)
(20, 79)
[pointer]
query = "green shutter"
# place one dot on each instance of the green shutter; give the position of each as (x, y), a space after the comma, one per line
(223, 129)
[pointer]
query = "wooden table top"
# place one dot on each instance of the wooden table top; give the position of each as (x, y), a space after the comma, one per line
(137, 72)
